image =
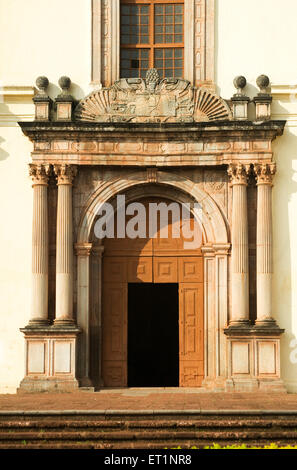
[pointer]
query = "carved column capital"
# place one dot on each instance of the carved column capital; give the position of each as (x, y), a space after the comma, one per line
(40, 173)
(65, 173)
(98, 251)
(83, 249)
(264, 172)
(239, 173)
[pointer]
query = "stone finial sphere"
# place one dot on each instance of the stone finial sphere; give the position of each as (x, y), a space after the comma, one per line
(263, 82)
(239, 82)
(64, 82)
(42, 83)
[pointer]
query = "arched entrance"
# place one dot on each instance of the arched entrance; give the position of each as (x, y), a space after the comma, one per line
(152, 307)
(215, 251)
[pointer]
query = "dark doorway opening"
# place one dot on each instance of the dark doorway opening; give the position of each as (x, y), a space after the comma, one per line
(153, 335)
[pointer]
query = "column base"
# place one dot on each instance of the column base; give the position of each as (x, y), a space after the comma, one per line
(38, 385)
(214, 384)
(38, 323)
(64, 323)
(50, 363)
(254, 358)
(255, 385)
(240, 324)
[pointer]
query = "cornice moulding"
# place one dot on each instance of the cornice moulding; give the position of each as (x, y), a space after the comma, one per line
(283, 91)
(17, 91)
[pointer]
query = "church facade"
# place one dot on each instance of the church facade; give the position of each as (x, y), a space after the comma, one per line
(151, 129)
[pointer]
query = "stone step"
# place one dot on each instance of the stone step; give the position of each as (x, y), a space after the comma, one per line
(159, 435)
(147, 430)
(153, 424)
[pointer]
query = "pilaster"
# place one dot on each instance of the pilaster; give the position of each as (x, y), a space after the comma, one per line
(64, 256)
(239, 174)
(39, 306)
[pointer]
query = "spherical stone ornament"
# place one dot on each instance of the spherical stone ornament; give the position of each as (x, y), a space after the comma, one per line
(263, 82)
(42, 83)
(64, 83)
(239, 82)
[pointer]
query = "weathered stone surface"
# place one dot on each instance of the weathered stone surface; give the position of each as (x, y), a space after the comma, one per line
(152, 100)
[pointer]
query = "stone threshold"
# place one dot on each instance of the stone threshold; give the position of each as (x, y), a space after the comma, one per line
(146, 412)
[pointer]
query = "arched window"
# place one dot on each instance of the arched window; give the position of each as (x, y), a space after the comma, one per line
(152, 36)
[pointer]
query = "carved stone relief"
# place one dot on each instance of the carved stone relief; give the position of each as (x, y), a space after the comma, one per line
(152, 100)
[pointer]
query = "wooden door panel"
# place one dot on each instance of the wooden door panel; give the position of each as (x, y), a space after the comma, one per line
(115, 373)
(165, 269)
(140, 269)
(190, 269)
(114, 344)
(114, 269)
(190, 333)
(191, 373)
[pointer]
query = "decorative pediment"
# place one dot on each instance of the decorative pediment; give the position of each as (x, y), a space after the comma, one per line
(152, 100)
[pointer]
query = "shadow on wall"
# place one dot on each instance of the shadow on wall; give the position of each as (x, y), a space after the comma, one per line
(3, 154)
(285, 229)
(75, 90)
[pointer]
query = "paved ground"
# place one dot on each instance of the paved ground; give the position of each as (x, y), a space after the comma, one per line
(148, 399)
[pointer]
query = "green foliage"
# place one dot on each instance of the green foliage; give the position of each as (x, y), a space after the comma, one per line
(244, 446)
(241, 446)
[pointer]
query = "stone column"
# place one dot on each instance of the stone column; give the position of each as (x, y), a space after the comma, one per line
(39, 306)
(264, 174)
(83, 251)
(64, 249)
(97, 308)
(240, 255)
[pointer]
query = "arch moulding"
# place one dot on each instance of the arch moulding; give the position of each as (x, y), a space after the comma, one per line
(215, 251)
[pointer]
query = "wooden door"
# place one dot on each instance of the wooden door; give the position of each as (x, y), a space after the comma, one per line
(114, 340)
(190, 334)
(155, 260)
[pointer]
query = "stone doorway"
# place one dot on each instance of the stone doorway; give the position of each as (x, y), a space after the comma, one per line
(153, 335)
(157, 262)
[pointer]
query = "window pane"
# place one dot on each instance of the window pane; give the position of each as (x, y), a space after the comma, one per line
(169, 62)
(178, 53)
(134, 62)
(159, 9)
(168, 19)
(169, 9)
(170, 16)
(144, 10)
(144, 40)
(169, 38)
(134, 23)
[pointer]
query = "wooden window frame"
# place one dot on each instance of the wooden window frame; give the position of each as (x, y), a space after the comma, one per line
(199, 41)
(151, 46)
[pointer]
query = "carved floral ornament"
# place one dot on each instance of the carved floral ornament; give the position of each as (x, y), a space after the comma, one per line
(264, 172)
(239, 173)
(65, 173)
(40, 173)
(152, 100)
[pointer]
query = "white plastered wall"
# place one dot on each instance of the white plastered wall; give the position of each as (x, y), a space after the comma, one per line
(53, 38)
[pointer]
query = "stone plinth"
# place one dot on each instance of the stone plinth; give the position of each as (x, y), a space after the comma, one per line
(254, 359)
(50, 359)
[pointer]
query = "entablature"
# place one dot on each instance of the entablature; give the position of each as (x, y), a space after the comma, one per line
(152, 144)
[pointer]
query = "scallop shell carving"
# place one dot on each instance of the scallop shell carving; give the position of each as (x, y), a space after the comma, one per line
(136, 100)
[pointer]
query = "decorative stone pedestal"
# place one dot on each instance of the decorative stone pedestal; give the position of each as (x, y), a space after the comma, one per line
(50, 359)
(254, 359)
